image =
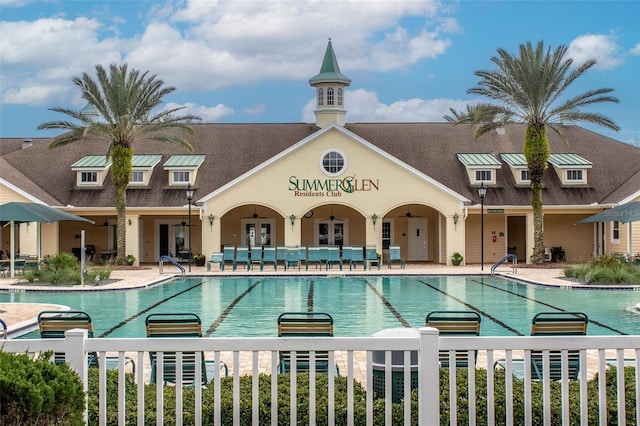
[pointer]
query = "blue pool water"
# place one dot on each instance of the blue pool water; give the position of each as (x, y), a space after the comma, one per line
(360, 306)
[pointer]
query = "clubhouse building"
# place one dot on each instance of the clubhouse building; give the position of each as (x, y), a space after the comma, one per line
(330, 183)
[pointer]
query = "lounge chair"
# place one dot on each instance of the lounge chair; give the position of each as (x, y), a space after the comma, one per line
(455, 323)
(269, 256)
(371, 257)
(552, 324)
(53, 324)
(179, 325)
(305, 324)
(295, 257)
(228, 255)
(255, 256)
(281, 254)
(216, 258)
(242, 256)
(357, 256)
(333, 257)
(346, 254)
(394, 256)
(313, 257)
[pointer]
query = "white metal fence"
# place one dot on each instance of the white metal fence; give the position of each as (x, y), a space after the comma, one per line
(505, 401)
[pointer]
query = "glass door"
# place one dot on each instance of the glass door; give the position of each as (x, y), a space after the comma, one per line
(257, 232)
(331, 232)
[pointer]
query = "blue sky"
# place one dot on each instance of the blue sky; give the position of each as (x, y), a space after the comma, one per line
(250, 61)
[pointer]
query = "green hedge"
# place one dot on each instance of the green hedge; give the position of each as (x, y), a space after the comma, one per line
(38, 392)
(360, 400)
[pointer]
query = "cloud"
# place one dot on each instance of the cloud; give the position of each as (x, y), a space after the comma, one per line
(207, 114)
(364, 106)
(635, 50)
(598, 47)
(255, 110)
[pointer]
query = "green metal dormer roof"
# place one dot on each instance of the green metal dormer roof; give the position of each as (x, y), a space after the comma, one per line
(330, 71)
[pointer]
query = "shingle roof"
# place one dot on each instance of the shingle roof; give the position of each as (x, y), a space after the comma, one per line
(234, 149)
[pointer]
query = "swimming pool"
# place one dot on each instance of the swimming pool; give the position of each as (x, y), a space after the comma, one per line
(360, 305)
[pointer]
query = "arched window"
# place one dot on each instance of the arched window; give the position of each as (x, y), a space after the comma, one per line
(330, 96)
(340, 96)
(320, 96)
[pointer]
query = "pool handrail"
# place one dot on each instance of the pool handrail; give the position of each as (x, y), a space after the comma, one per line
(514, 264)
(172, 261)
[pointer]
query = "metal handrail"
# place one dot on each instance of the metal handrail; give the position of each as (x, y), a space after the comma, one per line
(172, 261)
(514, 264)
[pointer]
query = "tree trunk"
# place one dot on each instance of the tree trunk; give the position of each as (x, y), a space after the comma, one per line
(121, 158)
(537, 151)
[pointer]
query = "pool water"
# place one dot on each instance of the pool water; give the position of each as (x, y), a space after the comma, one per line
(360, 306)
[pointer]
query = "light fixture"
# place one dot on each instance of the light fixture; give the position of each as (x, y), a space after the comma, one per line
(292, 218)
(482, 192)
(374, 219)
(210, 217)
(129, 221)
(189, 192)
(455, 219)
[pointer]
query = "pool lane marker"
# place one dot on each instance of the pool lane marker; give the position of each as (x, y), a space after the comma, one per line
(483, 313)
(389, 306)
(147, 309)
(598, 323)
(212, 328)
(310, 296)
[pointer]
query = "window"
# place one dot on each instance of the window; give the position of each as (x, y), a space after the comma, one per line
(333, 163)
(574, 175)
(386, 235)
(524, 175)
(615, 231)
(484, 175)
(320, 96)
(340, 96)
(181, 176)
(330, 96)
(137, 177)
(89, 177)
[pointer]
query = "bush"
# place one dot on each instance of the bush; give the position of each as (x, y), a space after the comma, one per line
(63, 268)
(39, 392)
(605, 269)
(264, 395)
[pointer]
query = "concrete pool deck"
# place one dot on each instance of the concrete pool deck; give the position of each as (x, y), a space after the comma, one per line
(18, 316)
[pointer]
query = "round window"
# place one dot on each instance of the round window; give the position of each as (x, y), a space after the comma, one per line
(333, 162)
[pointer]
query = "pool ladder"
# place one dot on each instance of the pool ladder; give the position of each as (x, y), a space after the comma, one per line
(514, 263)
(172, 261)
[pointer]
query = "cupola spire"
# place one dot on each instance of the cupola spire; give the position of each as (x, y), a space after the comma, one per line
(329, 85)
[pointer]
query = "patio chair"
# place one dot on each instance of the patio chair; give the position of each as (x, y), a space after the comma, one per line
(269, 256)
(558, 324)
(281, 254)
(179, 325)
(216, 258)
(333, 257)
(552, 324)
(371, 257)
(357, 256)
(455, 323)
(228, 255)
(313, 257)
(305, 324)
(346, 254)
(295, 256)
(394, 256)
(242, 256)
(255, 256)
(53, 324)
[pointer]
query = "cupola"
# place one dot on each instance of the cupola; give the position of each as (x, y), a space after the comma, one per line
(329, 85)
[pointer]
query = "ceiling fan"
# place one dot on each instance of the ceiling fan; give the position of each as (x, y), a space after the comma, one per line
(184, 224)
(408, 214)
(105, 223)
(255, 214)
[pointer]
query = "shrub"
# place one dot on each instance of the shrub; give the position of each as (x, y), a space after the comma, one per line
(63, 268)
(39, 392)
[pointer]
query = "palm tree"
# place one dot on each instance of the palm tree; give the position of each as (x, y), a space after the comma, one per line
(124, 99)
(530, 88)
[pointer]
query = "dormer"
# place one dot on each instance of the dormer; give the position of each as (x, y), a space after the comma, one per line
(183, 169)
(480, 168)
(329, 85)
(571, 168)
(518, 165)
(142, 169)
(91, 171)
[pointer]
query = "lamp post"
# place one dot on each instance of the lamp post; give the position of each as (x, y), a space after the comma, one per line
(190, 192)
(482, 192)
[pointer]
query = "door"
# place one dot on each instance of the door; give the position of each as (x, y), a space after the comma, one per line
(417, 239)
(258, 232)
(164, 239)
(331, 232)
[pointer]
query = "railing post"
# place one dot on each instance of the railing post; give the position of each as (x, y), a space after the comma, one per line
(75, 355)
(429, 378)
